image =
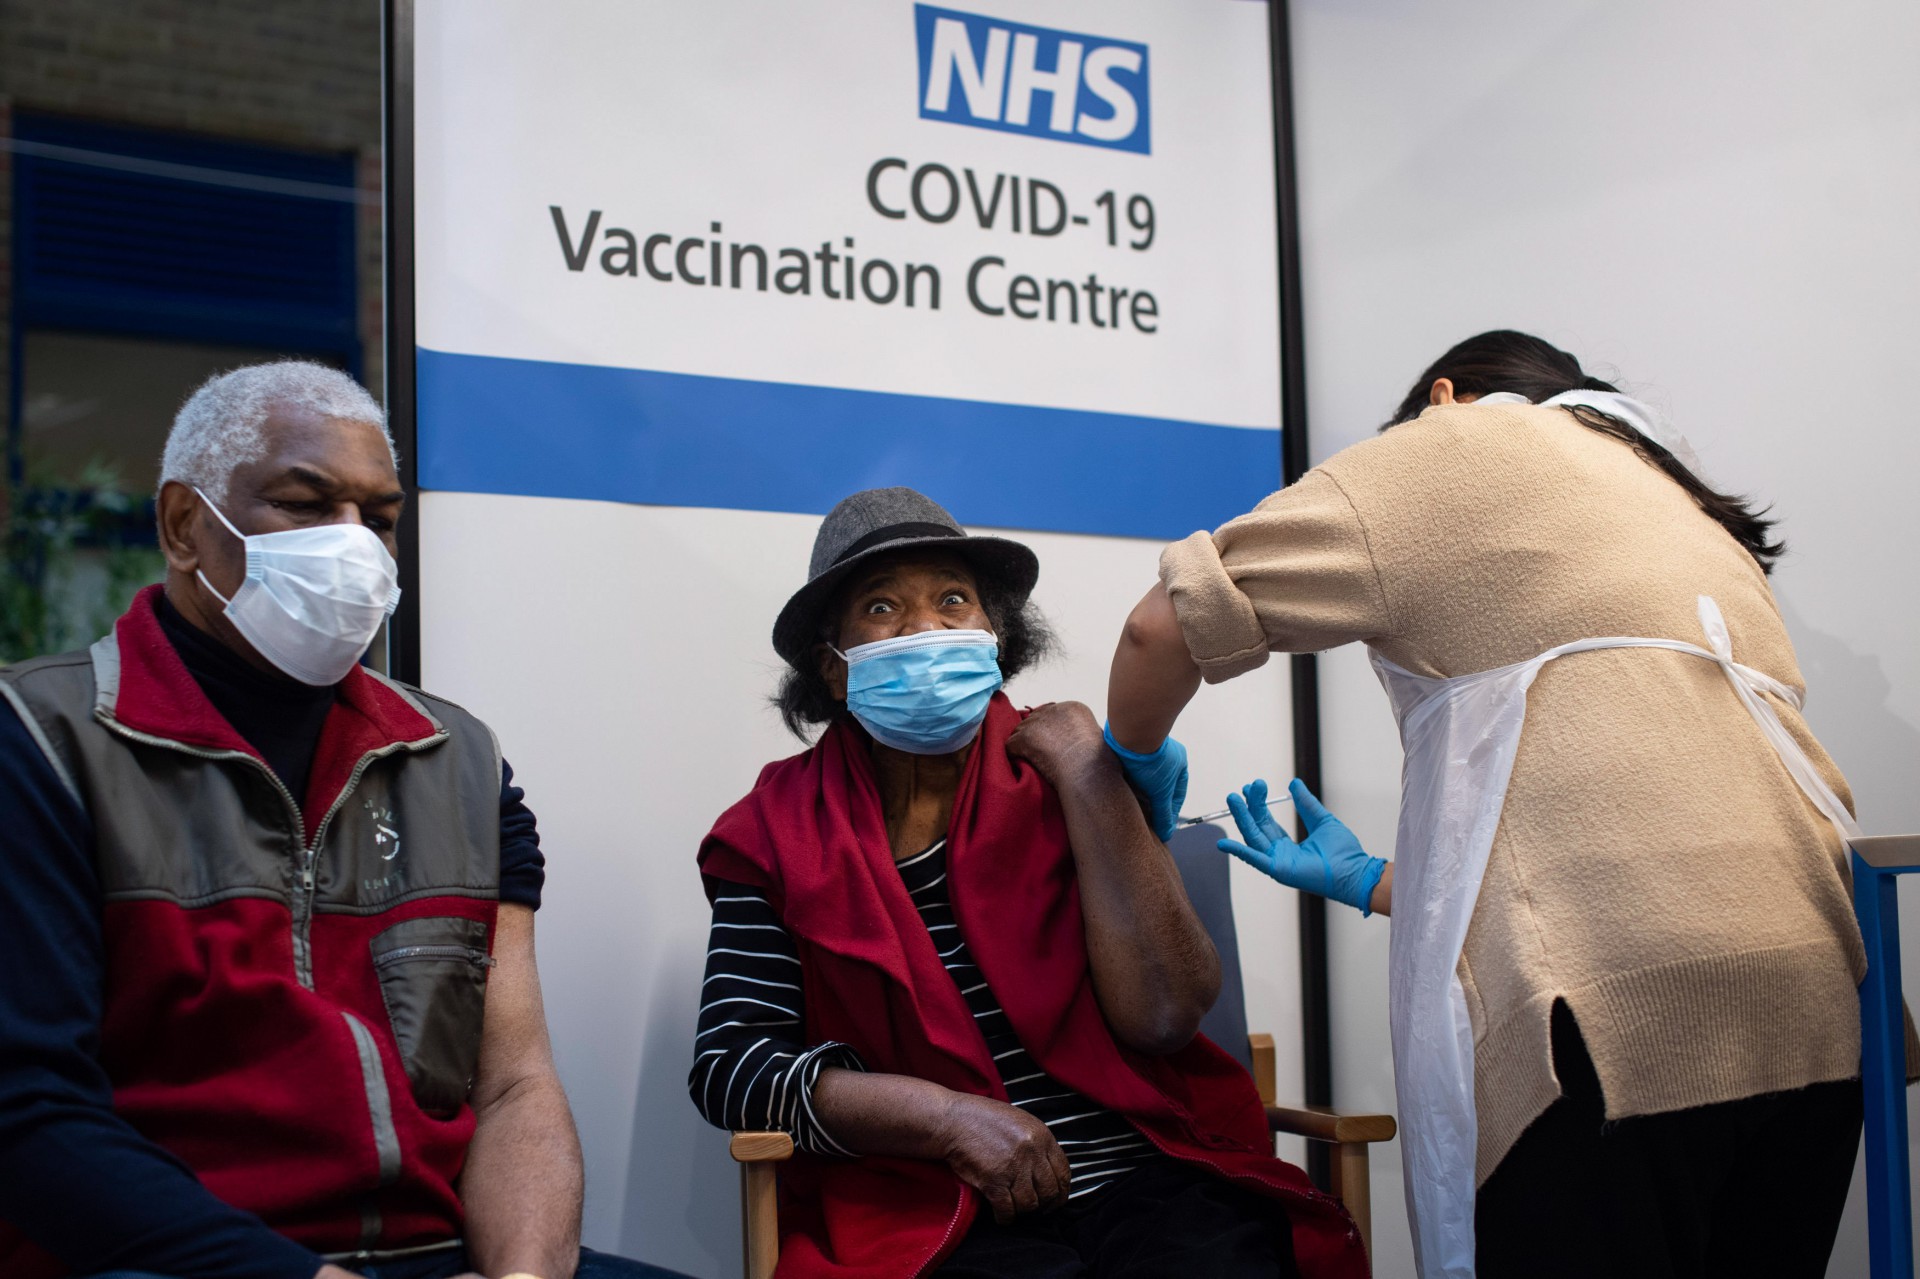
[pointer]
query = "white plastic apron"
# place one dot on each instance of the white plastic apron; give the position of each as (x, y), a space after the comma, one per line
(1460, 736)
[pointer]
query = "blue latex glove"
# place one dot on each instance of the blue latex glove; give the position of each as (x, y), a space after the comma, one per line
(1160, 777)
(1330, 862)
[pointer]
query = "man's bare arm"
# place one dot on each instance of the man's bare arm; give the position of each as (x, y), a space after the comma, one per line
(522, 1184)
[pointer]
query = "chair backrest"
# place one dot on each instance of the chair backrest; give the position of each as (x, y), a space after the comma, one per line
(1204, 871)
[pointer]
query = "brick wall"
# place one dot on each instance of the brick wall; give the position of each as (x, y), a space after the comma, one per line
(296, 73)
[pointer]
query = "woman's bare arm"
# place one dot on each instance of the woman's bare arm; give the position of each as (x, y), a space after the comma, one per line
(1154, 967)
(1003, 1152)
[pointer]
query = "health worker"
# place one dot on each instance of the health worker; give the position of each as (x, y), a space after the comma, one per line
(1623, 967)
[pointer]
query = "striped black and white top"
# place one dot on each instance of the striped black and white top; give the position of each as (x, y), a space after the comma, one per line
(751, 1071)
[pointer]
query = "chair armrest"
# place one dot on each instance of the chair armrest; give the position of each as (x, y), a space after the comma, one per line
(1889, 852)
(1323, 1123)
(1265, 1065)
(760, 1147)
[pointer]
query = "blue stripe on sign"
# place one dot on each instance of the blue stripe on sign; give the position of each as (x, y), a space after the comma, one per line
(540, 429)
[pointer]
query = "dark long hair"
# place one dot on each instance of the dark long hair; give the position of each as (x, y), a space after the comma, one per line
(1504, 360)
(805, 702)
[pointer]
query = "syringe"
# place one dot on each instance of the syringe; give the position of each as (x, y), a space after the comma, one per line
(1227, 812)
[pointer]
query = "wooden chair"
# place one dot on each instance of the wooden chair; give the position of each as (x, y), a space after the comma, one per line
(759, 1154)
(1349, 1133)
(1205, 873)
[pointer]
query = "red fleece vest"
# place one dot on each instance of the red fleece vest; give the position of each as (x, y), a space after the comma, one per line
(811, 836)
(261, 1051)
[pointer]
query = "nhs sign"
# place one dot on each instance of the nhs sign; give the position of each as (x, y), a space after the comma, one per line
(1034, 80)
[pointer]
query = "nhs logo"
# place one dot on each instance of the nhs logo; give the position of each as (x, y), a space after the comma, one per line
(1034, 80)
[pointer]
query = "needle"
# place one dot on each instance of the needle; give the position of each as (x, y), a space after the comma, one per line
(1225, 812)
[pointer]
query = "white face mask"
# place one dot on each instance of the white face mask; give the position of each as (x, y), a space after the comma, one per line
(313, 598)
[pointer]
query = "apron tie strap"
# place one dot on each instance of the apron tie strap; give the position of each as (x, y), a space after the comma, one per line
(1748, 683)
(1715, 626)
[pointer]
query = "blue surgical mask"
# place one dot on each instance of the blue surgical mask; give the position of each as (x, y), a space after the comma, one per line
(925, 694)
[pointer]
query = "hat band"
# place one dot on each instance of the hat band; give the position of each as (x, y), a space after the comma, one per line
(894, 533)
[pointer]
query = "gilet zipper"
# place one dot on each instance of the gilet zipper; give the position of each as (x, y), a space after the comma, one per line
(385, 1139)
(438, 950)
(305, 880)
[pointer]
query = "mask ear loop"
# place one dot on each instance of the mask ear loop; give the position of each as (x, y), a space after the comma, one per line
(218, 513)
(222, 517)
(212, 589)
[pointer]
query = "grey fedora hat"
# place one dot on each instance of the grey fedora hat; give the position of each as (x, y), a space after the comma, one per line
(877, 521)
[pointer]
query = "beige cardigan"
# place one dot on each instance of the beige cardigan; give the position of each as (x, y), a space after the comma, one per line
(1655, 866)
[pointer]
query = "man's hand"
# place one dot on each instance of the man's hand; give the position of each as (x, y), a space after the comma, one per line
(1006, 1154)
(1061, 740)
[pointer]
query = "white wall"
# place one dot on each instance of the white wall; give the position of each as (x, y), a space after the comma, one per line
(1717, 200)
(621, 653)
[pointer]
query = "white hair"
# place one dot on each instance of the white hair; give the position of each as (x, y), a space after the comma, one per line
(222, 426)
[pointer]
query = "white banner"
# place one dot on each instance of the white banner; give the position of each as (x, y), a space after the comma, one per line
(757, 256)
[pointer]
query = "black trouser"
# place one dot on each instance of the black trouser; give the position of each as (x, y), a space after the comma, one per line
(1745, 1188)
(1166, 1221)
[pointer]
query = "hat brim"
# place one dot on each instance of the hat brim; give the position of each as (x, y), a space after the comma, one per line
(1013, 566)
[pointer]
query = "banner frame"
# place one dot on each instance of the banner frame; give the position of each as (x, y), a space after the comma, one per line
(1316, 1016)
(396, 121)
(403, 630)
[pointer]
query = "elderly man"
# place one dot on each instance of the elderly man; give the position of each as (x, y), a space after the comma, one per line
(269, 1005)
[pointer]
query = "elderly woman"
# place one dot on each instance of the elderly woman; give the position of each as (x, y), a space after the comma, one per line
(950, 958)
